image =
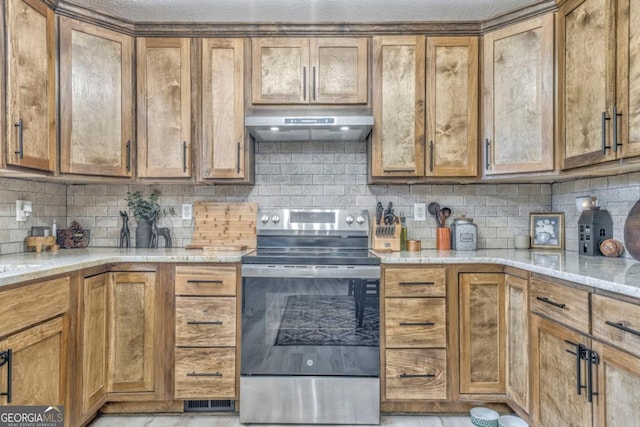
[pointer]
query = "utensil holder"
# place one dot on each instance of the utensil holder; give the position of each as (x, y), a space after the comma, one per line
(386, 237)
(443, 238)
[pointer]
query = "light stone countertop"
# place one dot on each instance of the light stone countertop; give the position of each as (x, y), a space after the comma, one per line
(620, 275)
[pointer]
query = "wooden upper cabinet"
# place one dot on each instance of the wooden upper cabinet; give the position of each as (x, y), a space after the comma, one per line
(309, 71)
(586, 101)
(225, 151)
(398, 106)
(31, 108)
(96, 100)
(164, 107)
(452, 106)
(518, 97)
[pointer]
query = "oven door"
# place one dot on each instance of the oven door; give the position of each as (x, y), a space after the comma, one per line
(305, 320)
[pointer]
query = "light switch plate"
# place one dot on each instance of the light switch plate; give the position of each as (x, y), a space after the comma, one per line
(187, 211)
(419, 211)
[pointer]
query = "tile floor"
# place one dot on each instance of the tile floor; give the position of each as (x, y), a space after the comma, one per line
(232, 421)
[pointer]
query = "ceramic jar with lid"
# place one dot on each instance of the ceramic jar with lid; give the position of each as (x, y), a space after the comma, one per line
(464, 234)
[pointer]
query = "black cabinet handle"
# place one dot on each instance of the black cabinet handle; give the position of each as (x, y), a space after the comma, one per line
(579, 356)
(205, 281)
(592, 358)
(314, 82)
(5, 359)
(20, 126)
(397, 170)
(238, 159)
(553, 303)
(615, 143)
(417, 324)
(605, 147)
(622, 327)
(431, 156)
(128, 156)
(487, 162)
(416, 283)
(204, 322)
(417, 375)
(304, 83)
(184, 156)
(204, 374)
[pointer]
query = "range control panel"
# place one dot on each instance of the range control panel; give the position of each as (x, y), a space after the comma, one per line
(313, 219)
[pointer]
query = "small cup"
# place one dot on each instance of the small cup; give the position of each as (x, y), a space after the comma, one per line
(521, 242)
(443, 238)
(414, 245)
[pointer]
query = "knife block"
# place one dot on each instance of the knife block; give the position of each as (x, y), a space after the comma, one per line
(386, 237)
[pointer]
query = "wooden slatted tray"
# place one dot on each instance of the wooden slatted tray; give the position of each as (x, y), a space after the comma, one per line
(224, 225)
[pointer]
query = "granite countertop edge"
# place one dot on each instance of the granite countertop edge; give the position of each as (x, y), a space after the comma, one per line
(617, 275)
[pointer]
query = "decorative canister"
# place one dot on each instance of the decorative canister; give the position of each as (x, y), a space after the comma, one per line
(464, 234)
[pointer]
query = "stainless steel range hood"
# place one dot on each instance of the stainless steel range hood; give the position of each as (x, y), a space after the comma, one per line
(302, 124)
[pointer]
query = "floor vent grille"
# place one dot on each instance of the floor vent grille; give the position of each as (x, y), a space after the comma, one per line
(209, 405)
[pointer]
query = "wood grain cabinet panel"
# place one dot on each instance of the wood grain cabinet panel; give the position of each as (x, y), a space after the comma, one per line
(415, 282)
(279, 70)
(561, 303)
(482, 332)
(415, 322)
(206, 281)
(452, 106)
(616, 322)
(96, 100)
(518, 97)
(206, 322)
(31, 104)
(207, 373)
(164, 107)
(398, 106)
(416, 374)
(224, 149)
(517, 341)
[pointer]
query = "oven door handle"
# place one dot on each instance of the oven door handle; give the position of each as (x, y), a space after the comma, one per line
(311, 271)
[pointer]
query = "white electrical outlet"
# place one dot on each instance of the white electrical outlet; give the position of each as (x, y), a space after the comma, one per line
(419, 211)
(187, 211)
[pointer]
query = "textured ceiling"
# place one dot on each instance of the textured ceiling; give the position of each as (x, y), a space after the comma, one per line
(302, 11)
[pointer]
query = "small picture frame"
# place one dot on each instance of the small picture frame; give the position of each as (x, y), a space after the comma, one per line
(547, 230)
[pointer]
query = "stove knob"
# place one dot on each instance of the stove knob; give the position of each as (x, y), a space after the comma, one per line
(360, 219)
(349, 219)
(264, 218)
(275, 218)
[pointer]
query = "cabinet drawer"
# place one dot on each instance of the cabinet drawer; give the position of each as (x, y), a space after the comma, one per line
(415, 282)
(616, 322)
(205, 321)
(560, 303)
(415, 322)
(205, 280)
(205, 373)
(416, 374)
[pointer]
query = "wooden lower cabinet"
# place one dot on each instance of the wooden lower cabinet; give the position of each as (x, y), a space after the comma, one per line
(482, 332)
(517, 341)
(412, 374)
(38, 364)
(205, 372)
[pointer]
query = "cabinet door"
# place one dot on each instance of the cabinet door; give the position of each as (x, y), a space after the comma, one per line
(94, 341)
(628, 78)
(482, 333)
(554, 398)
(131, 332)
(517, 330)
(31, 108)
(338, 70)
(96, 100)
(164, 107)
(586, 61)
(38, 364)
(618, 388)
(452, 112)
(223, 108)
(280, 71)
(518, 97)
(398, 106)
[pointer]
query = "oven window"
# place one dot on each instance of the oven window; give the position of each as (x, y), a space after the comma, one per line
(310, 326)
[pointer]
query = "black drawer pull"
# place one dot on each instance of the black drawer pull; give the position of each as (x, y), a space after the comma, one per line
(204, 322)
(204, 374)
(5, 359)
(623, 328)
(553, 303)
(417, 375)
(417, 324)
(398, 170)
(416, 283)
(205, 281)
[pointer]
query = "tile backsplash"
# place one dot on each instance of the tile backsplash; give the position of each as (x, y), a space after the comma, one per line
(317, 175)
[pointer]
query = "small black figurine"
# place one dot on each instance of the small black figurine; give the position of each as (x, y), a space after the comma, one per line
(124, 233)
(153, 242)
(166, 233)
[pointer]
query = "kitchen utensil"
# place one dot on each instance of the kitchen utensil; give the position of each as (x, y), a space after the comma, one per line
(484, 417)
(389, 217)
(379, 212)
(224, 224)
(434, 208)
(446, 213)
(632, 231)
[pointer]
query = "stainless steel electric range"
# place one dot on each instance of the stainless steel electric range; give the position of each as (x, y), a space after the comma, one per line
(310, 320)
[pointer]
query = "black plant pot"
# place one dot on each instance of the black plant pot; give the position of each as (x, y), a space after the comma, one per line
(143, 234)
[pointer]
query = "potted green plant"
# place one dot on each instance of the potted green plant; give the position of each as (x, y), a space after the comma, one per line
(146, 211)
